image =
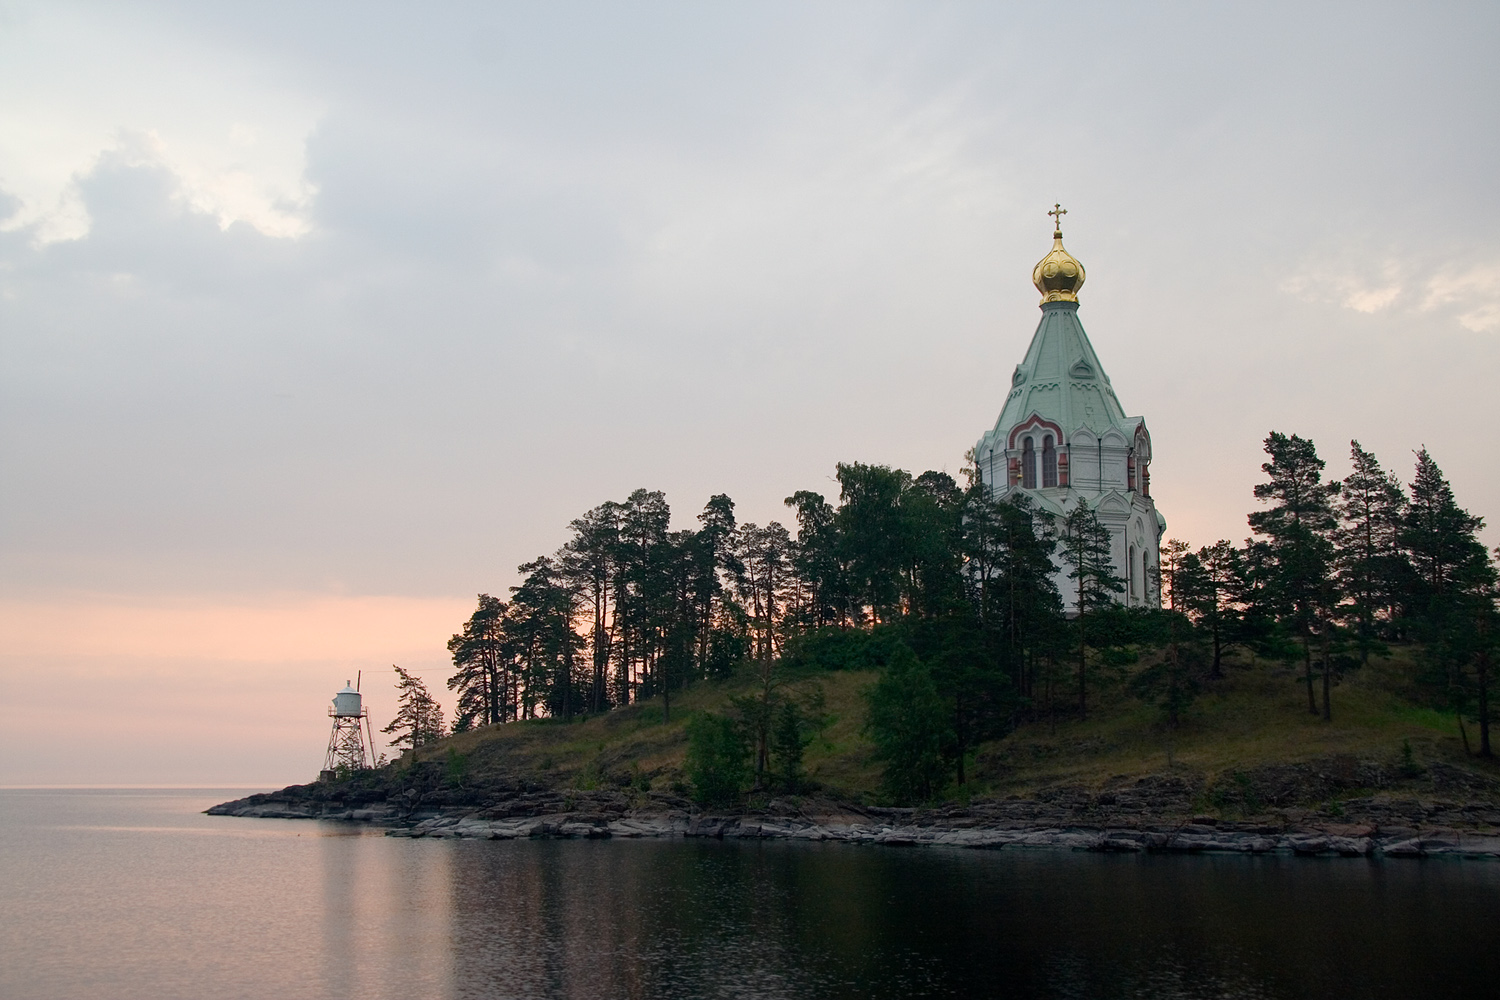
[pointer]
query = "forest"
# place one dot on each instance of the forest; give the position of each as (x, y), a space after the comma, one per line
(951, 595)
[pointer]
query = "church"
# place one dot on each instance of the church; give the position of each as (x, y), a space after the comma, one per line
(1064, 439)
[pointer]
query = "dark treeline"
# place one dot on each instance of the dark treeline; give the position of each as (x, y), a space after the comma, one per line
(954, 596)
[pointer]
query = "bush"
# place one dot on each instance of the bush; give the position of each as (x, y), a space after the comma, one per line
(843, 648)
(908, 723)
(717, 759)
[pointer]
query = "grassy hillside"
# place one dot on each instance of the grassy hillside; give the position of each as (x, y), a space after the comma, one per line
(1255, 718)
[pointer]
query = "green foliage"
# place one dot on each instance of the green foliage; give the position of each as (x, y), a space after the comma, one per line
(907, 569)
(728, 648)
(789, 738)
(1175, 679)
(1409, 766)
(1372, 568)
(456, 767)
(1087, 551)
(797, 724)
(1298, 526)
(717, 759)
(1454, 600)
(481, 666)
(1237, 794)
(909, 725)
(842, 648)
(419, 718)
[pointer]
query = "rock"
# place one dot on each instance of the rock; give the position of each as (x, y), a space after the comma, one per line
(1308, 843)
(1146, 814)
(1351, 847)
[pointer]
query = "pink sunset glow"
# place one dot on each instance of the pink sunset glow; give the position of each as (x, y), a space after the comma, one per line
(196, 691)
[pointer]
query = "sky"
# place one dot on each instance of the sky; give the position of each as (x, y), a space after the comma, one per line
(318, 320)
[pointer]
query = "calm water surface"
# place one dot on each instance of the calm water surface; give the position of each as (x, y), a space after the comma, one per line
(125, 894)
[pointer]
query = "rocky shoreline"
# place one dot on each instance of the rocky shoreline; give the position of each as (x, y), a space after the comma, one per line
(1151, 815)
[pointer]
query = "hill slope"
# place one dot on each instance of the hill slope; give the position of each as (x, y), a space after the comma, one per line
(1247, 751)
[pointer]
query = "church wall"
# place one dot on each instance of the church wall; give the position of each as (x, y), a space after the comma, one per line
(1131, 520)
(1102, 455)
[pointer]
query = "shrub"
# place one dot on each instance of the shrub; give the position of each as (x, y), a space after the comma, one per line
(717, 759)
(908, 723)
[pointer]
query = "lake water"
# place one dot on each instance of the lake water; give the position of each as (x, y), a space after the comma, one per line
(124, 894)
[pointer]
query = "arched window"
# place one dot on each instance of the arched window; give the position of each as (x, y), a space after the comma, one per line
(1049, 461)
(1028, 464)
(1131, 573)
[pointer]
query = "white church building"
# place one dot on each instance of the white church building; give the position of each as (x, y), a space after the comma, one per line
(1064, 438)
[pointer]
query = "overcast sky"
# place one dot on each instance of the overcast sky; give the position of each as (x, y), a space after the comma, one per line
(316, 320)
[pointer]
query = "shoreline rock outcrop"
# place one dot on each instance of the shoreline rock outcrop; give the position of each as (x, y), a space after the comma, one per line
(1152, 814)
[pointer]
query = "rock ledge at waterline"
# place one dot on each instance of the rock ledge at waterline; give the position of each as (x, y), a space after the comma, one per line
(1120, 820)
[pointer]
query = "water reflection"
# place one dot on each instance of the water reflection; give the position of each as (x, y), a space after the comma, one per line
(690, 919)
(137, 895)
(385, 917)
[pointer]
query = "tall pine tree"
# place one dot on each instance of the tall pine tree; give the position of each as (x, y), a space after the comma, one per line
(1455, 610)
(1086, 550)
(1371, 566)
(1298, 527)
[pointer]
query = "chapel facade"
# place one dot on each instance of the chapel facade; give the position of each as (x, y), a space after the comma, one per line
(1064, 439)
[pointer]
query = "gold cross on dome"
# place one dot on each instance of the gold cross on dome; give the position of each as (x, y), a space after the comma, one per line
(1058, 211)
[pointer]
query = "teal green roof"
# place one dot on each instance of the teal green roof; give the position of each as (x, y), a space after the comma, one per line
(1060, 381)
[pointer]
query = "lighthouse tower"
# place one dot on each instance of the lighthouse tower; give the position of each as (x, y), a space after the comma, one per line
(351, 746)
(1063, 438)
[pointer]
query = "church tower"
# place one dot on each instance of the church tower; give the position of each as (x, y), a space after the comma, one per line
(1064, 438)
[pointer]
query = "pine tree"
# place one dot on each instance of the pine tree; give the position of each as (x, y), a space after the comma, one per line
(1370, 564)
(1439, 536)
(1299, 527)
(713, 554)
(589, 562)
(539, 632)
(716, 759)
(642, 592)
(764, 557)
(1455, 612)
(419, 718)
(481, 678)
(819, 561)
(1212, 579)
(874, 531)
(1176, 556)
(1086, 548)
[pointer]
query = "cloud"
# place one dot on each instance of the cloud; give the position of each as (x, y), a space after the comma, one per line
(1468, 292)
(80, 88)
(1368, 289)
(1474, 290)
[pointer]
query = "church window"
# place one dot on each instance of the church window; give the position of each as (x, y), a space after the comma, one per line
(1028, 464)
(1131, 572)
(1049, 461)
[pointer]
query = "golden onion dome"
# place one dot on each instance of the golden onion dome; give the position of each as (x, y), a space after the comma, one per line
(1059, 275)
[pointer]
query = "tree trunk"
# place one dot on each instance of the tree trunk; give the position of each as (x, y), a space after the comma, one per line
(1483, 677)
(1312, 701)
(1172, 692)
(1083, 711)
(1217, 672)
(1327, 680)
(958, 730)
(1047, 689)
(491, 695)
